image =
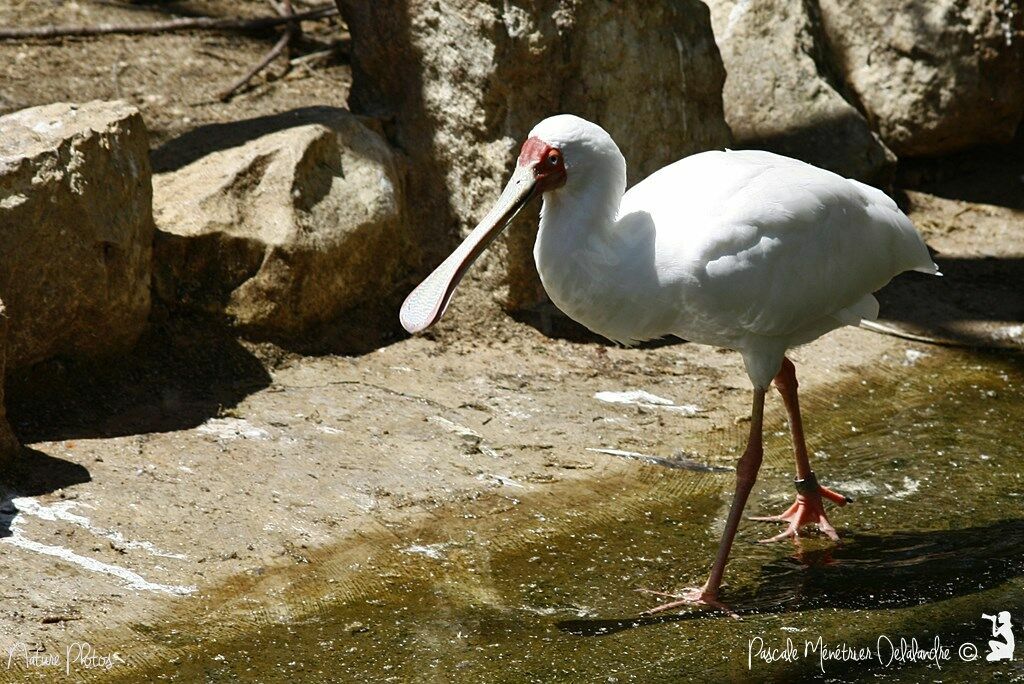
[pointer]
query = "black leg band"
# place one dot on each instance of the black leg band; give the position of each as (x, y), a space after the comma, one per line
(808, 485)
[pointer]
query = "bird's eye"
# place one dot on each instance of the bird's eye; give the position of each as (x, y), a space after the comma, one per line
(553, 159)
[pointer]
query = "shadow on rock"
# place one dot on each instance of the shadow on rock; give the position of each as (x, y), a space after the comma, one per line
(179, 375)
(33, 473)
(203, 140)
(989, 175)
(354, 332)
(867, 572)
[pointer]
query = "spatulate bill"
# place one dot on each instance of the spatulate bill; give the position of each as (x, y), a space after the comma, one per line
(427, 303)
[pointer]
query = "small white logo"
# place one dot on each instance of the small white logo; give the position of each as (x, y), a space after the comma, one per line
(1001, 628)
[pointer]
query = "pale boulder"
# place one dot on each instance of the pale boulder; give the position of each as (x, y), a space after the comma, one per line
(76, 230)
(782, 92)
(932, 76)
(286, 232)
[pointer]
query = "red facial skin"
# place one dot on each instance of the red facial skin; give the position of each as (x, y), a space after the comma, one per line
(547, 162)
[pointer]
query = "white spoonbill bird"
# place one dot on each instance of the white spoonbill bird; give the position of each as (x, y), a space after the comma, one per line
(745, 250)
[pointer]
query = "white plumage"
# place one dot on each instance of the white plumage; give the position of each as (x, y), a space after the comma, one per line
(747, 250)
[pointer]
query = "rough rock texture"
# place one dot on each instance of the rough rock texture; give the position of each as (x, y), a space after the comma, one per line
(782, 94)
(286, 231)
(464, 82)
(933, 76)
(8, 442)
(76, 229)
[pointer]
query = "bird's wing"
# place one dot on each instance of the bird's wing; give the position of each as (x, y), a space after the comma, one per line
(771, 245)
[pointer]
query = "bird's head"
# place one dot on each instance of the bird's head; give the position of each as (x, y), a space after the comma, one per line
(561, 151)
(567, 151)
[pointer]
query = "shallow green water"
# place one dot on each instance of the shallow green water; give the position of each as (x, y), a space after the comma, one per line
(545, 590)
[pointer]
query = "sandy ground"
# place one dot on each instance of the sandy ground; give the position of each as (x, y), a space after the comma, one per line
(172, 78)
(200, 458)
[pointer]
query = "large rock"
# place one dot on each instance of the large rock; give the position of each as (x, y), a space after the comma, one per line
(933, 76)
(781, 93)
(287, 231)
(464, 82)
(76, 230)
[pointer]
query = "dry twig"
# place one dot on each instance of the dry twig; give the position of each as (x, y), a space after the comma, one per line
(278, 48)
(292, 30)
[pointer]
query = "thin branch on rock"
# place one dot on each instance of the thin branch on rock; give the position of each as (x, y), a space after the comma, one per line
(184, 24)
(278, 48)
(292, 30)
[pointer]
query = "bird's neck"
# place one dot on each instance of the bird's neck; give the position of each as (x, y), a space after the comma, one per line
(569, 218)
(580, 242)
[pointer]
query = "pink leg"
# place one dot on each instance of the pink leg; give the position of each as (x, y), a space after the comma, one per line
(746, 474)
(808, 508)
